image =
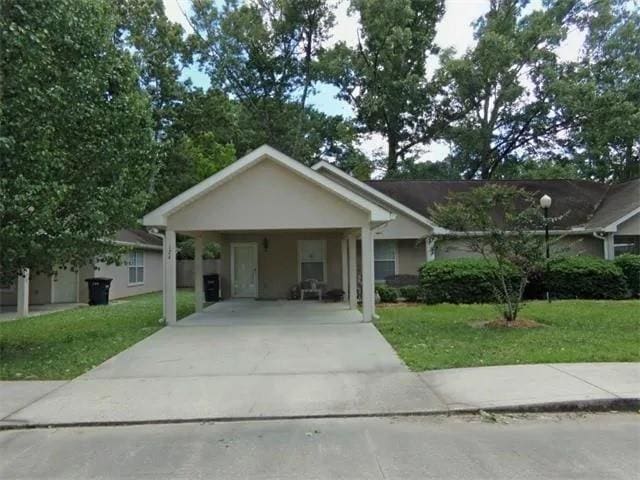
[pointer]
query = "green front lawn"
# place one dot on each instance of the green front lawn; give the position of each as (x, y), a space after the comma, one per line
(63, 345)
(445, 336)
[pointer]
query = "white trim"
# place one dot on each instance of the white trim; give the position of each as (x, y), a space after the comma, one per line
(380, 196)
(324, 259)
(129, 267)
(233, 259)
(613, 227)
(158, 217)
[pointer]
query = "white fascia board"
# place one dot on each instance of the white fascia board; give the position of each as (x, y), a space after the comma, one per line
(158, 217)
(613, 227)
(380, 196)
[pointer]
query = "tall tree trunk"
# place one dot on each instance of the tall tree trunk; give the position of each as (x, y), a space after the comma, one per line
(392, 154)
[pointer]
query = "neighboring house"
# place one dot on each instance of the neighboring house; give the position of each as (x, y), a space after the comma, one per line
(279, 222)
(139, 272)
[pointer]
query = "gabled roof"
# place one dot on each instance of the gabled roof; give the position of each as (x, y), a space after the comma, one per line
(378, 195)
(575, 201)
(621, 202)
(137, 237)
(158, 217)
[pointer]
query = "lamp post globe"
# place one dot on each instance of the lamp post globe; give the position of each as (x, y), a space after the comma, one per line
(545, 201)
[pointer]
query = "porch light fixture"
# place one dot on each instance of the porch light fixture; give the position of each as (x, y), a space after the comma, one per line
(265, 243)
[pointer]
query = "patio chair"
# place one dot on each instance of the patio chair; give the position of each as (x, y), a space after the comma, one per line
(311, 285)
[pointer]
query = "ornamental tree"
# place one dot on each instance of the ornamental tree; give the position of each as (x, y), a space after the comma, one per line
(502, 224)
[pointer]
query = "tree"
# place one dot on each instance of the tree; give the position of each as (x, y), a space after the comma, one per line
(600, 94)
(410, 169)
(201, 140)
(76, 134)
(384, 76)
(158, 48)
(264, 56)
(500, 224)
(500, 90)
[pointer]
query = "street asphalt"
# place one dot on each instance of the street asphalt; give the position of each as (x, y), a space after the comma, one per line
(534, 446)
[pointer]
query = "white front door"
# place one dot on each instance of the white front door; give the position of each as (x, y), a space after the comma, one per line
(244, 270)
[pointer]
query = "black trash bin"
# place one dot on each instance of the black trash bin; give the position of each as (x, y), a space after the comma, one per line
(211, 287)
(98, 290)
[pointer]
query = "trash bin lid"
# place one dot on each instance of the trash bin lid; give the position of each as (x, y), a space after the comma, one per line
(99, 279)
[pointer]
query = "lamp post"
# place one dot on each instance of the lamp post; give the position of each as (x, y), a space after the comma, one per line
(545, 203)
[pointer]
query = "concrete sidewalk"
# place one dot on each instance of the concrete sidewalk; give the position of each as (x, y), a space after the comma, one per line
(87, 400)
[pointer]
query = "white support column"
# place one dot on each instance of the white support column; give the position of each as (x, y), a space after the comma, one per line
(609, 249)
(430, 254)
(353, 272)
(198, 251)
(368, 286)
(164, 276)
(23, 294)
(345, 266)
(170, 283)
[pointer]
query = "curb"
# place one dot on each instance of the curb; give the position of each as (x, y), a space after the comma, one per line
(596, 405)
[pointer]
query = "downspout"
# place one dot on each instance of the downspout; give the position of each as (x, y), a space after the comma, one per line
(606, 247)
(157, 233)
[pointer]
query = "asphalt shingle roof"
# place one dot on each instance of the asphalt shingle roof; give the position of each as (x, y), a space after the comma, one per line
(578, 202)
(138, 235)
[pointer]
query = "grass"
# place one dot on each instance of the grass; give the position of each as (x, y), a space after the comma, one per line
(63, 345)
(444, 336)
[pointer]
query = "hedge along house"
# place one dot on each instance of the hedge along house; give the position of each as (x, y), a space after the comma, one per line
(279, 222)
(139, 272)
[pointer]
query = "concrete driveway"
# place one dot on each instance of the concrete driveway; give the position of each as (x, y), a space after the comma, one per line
(243, 359)
(248, 337)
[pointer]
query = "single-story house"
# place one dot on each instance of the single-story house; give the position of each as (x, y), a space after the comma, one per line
(279, 222)
(139, 272)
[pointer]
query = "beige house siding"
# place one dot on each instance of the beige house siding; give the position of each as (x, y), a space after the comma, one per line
(120, 274)
(278, 264)
(39, 292)
(630, 227)
(452, 248)
(267, 196)
(410, 256)
(580, 245)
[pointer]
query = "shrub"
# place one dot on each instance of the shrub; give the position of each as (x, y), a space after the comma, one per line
(586, 277)
(387, 294)
(410, 293)
(466, 280)
(630, 266)
(401, 280)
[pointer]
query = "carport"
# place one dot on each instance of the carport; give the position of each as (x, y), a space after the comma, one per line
(278, 223)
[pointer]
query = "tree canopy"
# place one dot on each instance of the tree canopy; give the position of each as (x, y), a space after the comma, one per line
(101, 120)
(76, 143)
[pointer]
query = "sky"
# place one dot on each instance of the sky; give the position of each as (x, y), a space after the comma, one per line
(454, 30)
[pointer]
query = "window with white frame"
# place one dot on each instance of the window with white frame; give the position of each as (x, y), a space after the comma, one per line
(136, 267)
(384, 252)
(626, 244)
(312, 260)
